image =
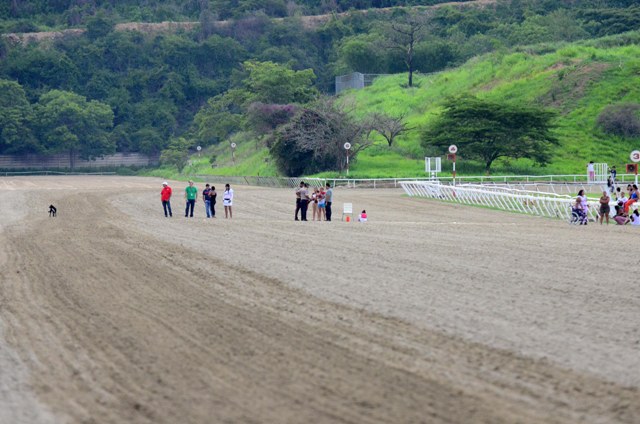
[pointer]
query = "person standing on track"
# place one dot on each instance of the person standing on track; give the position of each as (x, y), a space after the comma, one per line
(585, 205)
(227, 201)
(300, 187)
(191, 196)
(212, 198)
(328, 200)
(165, 197)
(304, 202)
(605, 209)
(206, 198)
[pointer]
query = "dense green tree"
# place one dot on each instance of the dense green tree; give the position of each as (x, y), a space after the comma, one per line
(98, 26)
(220, 117)
(270, 82)
(68, 122)
(148, 140)
(15, 120)
(264, 82)
(176, 154)
(40, 69)
(487, 130)
(363, 53)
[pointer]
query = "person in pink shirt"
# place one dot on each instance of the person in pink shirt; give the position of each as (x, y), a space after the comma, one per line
(363, 216)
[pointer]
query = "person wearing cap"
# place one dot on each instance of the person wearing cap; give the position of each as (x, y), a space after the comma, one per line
(191, 196)
(165, 196)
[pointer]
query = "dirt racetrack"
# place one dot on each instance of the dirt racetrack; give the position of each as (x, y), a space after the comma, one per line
(429, 313)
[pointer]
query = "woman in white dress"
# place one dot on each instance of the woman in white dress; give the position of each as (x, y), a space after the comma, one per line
(227, 201)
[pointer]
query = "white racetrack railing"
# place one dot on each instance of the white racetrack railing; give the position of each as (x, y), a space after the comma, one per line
(529, 202)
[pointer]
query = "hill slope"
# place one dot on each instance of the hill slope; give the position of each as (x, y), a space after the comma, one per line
(577, 80)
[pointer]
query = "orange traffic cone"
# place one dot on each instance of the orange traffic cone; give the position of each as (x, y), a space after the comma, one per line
(348, 218)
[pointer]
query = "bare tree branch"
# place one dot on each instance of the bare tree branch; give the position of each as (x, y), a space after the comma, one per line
(389, 127)
(405, 35)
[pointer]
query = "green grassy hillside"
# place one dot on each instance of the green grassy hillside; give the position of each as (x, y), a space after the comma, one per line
(576, 80)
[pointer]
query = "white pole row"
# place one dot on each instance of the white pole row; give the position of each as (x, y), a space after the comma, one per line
(550, 205)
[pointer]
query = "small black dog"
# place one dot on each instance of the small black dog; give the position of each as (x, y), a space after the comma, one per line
(52, 210)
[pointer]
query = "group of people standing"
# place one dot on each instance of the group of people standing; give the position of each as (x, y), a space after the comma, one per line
(320, 199)
(622, 207)
(209, 198)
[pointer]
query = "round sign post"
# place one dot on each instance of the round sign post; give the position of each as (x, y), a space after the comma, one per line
(198, 149)
(233, 152)
(347, 146)
(453, 149)
(635, 157)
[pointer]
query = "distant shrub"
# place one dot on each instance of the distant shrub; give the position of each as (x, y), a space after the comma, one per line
(264, 118)
(24, 26)
(620, 119)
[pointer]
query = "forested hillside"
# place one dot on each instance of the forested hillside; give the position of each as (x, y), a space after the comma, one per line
(109, 90)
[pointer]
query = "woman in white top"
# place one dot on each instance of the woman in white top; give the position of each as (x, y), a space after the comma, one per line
(585, 204)
(227, 201)
(635, 218)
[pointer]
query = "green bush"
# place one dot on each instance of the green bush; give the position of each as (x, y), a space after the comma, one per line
(620, 119)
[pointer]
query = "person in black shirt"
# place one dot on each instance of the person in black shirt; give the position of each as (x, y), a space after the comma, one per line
(298, 203)
(207, 200)
(212, 201)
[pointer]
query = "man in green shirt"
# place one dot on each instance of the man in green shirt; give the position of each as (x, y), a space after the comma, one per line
(191, 195)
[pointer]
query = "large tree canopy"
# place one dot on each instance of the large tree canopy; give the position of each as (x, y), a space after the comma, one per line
(487, 130)
(15, 119)
(273, 83)
(313, 140)
(265, 83)
(68, 122)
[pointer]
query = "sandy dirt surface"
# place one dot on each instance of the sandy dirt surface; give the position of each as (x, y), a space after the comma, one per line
(429, 313)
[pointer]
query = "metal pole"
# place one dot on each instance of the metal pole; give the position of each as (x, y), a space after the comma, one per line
(347, 162)
(454, 169)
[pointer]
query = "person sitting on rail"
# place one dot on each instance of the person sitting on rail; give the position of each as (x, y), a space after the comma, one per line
(633, 198)
(619, 194)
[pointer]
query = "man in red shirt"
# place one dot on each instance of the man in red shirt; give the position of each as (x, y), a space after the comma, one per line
(165, 196)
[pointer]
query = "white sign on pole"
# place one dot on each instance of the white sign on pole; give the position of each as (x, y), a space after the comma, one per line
(347, 145)
(453, 149)
(198, 148)
(635, 156)
(233, 145)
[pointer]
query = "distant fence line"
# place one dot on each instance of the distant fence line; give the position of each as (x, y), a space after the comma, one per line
(64, 161)
(28, 173)
(284, 182)
(555, 183)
